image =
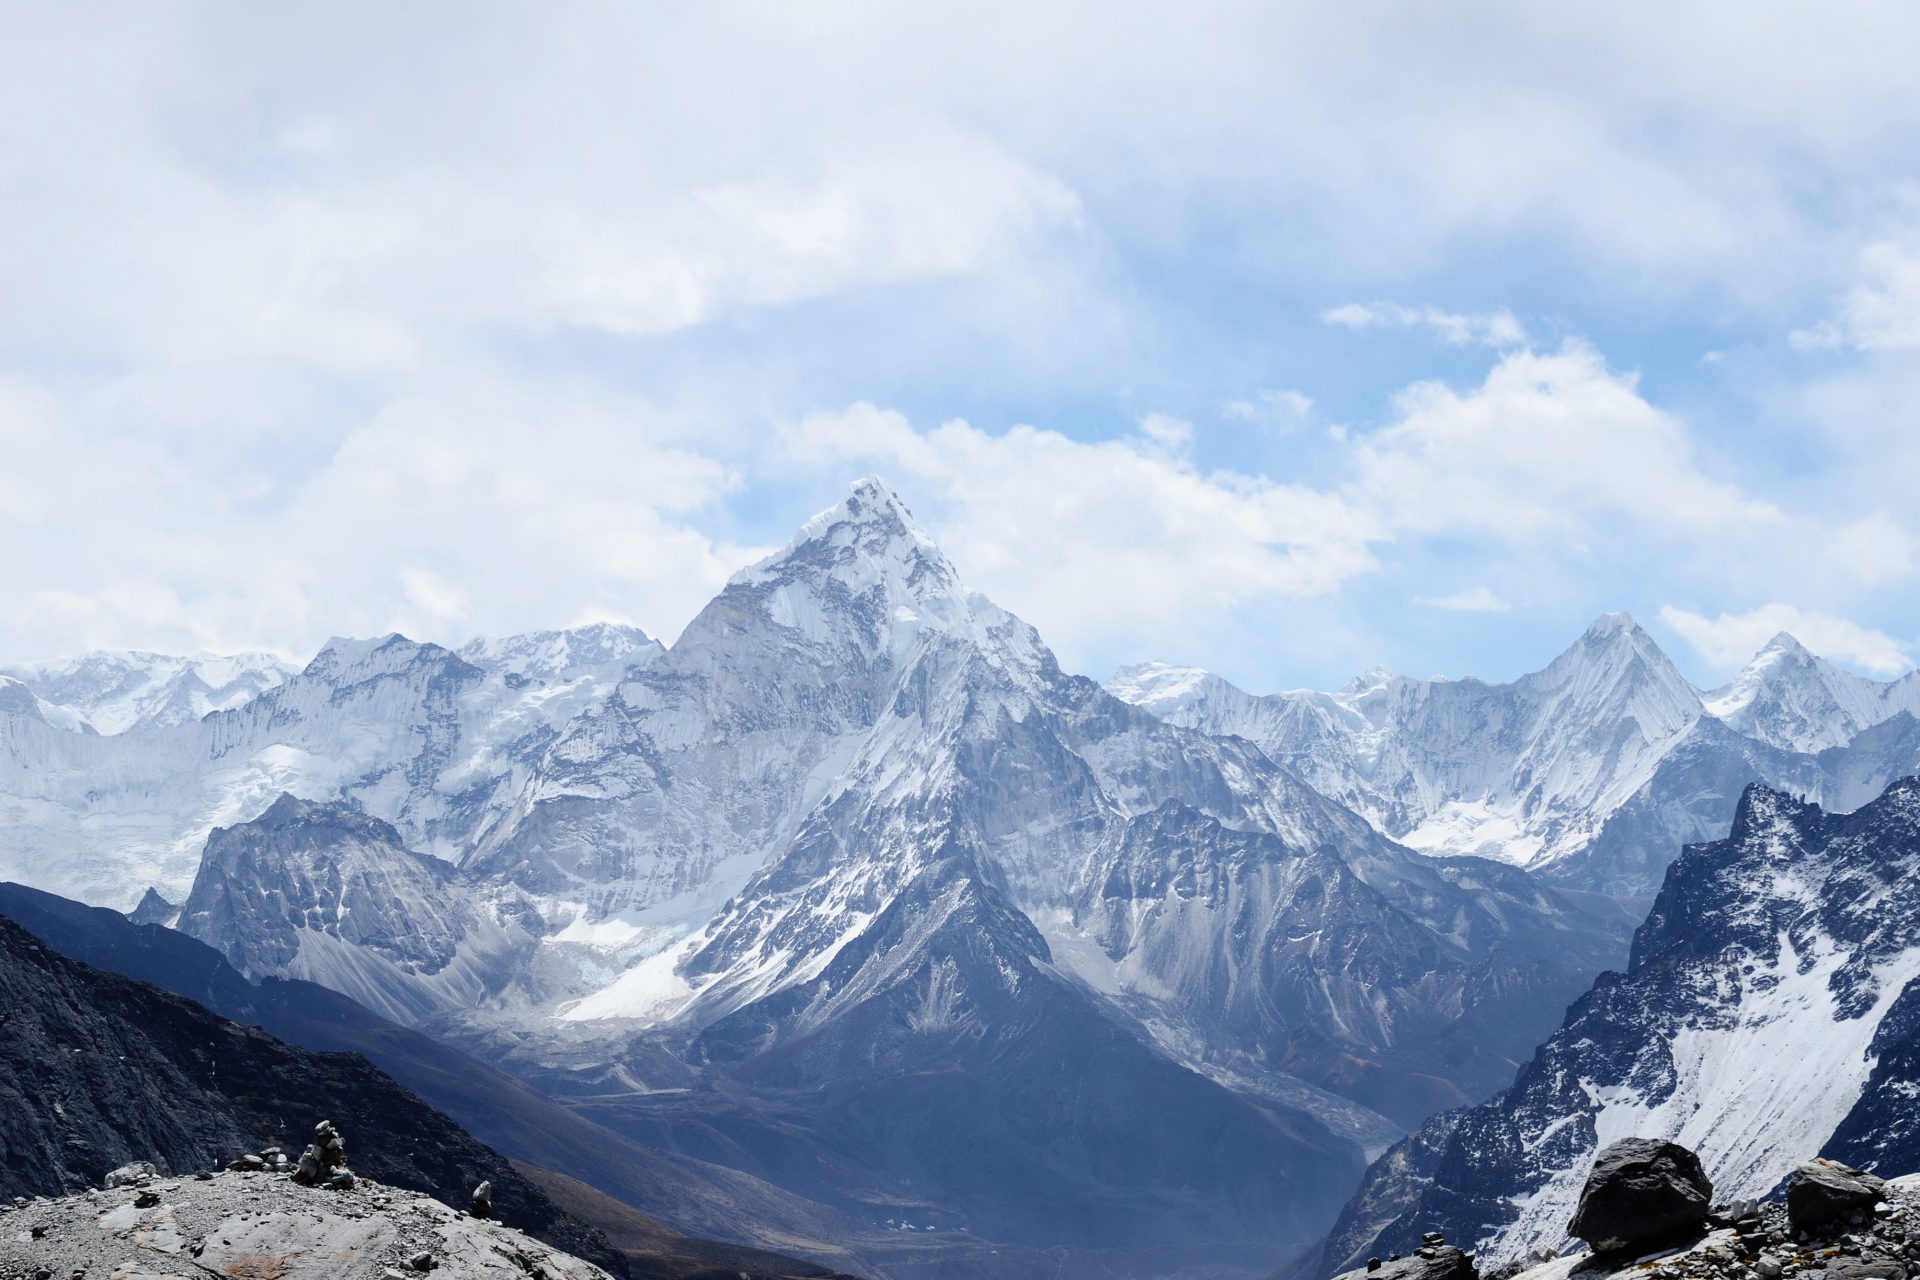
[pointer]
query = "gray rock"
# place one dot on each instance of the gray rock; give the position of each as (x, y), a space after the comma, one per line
(481, 1206)
(1641, 1192)
(129, 1174)
(1884, 1270)
(232, 1225)
(1823, 1194)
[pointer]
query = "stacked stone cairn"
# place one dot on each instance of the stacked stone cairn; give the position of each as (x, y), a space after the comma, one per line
(324, 1163)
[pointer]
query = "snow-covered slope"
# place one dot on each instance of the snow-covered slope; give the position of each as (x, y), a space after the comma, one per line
(1594, 770)
(112, 691)
(1752, 1025)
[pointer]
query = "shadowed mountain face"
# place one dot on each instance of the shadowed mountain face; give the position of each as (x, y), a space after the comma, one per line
(1768, 1010)
(97, 1070)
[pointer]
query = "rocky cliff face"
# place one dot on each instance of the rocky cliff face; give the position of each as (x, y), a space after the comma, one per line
(328, 894)
(1766, 1012)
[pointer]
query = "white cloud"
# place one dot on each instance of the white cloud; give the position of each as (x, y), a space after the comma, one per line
(1168, 432)
(1881, 315)
(1282, 409)
(258, 255)
(458, 506)
(1728, 640)
(1456, 329)
(1544, 445)
(1474, 600)
(1551, 462)
(1086, 539)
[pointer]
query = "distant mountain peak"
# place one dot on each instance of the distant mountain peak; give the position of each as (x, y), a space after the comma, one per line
(1786, 642)
(1610, 625)
(593, 648)
(864, 561)
(870, 523)
(1147, 684)
(1790, 697)
(379, 655)
(109, 691)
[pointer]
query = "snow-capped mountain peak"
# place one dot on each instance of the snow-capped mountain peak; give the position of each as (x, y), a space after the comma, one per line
(868, 540)
(343, 657)
(1791, 698)
(1613, 674)
(109, 691)
(1154, 684)
(598, 649)
(864, 574)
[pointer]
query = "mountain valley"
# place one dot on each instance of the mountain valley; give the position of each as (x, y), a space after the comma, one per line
(855, 915)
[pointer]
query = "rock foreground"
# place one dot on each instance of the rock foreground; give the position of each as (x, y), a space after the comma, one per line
(1833, 1223)
(263, 1225)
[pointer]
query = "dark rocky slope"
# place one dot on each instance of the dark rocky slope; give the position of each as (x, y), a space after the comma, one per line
(695, 1197)
(97, 1071)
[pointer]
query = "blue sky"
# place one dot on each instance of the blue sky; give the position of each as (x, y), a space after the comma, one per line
(1278, 339)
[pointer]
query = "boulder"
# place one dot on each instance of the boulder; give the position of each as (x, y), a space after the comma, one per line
(1822, 1194)
(1642, 1192)
(1882, 1269)
(129, 1174)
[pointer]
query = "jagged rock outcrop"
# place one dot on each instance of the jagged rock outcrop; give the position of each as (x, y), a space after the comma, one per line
(1435, 1260)
(1824, 1194)
(1875, 1240)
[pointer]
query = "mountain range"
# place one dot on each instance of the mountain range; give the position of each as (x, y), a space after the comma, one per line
(1593, 771)
(853, 890)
